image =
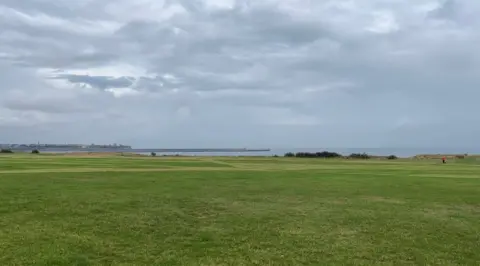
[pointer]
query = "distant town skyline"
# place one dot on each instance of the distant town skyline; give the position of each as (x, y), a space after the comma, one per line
(60, 145)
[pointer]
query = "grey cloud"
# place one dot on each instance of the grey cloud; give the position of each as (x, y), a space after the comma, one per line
(307, 73)
(69, 10)
(447, 10)
(48, 106)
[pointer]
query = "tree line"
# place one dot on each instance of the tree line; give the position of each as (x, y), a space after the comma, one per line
(326, 154)
(35, 151)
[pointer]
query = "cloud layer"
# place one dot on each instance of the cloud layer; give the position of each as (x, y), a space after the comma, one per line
(226, 73)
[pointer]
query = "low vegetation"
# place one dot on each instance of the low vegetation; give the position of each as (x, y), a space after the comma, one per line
(326, 154)
(323, 154)
(359, 156)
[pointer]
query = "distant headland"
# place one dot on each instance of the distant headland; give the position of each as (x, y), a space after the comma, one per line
(113, 148)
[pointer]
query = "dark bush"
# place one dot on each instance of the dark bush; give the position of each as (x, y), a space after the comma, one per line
(275, 156)
(326, 154)
(153, 154)
(359, 156)
(323, 154)
(35, 151)
(6, 151)
(392, 157)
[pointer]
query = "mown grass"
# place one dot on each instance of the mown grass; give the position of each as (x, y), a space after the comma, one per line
(50, 162)
(237, 211)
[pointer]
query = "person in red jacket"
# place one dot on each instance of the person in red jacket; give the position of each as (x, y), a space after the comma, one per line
(444, 160)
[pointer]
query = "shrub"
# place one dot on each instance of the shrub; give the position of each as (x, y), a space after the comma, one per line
(275, 156)
(392, 157)
(6, 151)
(359, 156)
(35, 151)
(323, 154)
(326, 154)
(153, 154)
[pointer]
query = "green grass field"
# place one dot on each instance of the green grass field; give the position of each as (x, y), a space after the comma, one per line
(61, 210)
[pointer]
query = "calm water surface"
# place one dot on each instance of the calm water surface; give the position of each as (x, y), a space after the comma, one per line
(401, 152)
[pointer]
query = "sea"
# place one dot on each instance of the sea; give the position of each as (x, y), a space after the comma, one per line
(399, 152)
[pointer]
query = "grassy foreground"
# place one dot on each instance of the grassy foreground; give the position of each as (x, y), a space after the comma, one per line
(59, 210)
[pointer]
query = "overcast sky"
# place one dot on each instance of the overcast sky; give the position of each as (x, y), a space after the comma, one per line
(245, 73)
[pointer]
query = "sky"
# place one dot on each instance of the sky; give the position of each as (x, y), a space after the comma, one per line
(241, 73)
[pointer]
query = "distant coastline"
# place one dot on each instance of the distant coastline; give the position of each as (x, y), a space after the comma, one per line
(374, 152)
(123, 148)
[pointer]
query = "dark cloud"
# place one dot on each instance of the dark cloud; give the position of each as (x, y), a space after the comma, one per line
(101, 82)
